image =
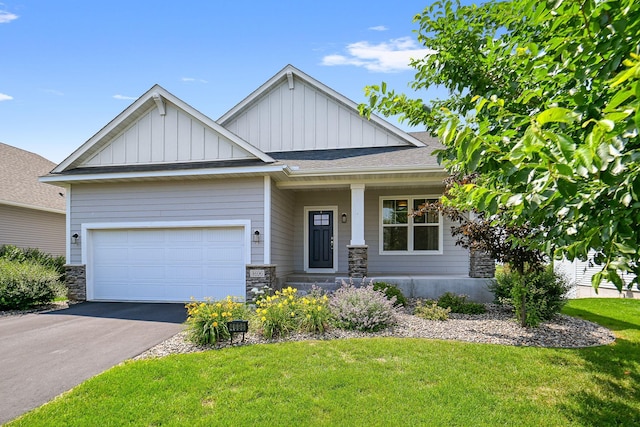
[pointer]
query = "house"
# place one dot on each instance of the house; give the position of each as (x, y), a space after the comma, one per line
(32, 214)
(579, 274)
(290, 185)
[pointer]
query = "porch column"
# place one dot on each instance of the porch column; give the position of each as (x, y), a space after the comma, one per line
(358, 249)
(357, 214)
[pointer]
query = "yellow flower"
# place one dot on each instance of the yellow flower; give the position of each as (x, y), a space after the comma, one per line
(293, 314)
(218, 305)
(215, 324)
(308, 316)
(215, 314)
(264, 319)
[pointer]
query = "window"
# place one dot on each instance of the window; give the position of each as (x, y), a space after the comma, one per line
(400, 232)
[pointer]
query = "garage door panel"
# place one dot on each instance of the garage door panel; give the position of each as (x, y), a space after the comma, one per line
(147, 255)
(167, 264)
(224, 253)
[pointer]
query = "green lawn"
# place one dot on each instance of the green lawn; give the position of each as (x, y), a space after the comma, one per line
(368, 382)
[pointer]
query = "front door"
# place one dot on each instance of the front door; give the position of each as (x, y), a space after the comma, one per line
(320, 239)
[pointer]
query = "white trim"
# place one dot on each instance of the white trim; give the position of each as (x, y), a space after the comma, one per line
(267, 220)
(337, 181)
(68, 225)
(88, 227)
(357, 214)
(163, 173)
(410, 199)
(333, 209)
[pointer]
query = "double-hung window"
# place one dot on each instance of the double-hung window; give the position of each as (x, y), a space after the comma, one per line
(403, 232)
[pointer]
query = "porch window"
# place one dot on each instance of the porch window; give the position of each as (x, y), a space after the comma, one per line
(400, 232)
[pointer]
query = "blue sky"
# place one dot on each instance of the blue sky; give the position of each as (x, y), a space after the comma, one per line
(68, 67)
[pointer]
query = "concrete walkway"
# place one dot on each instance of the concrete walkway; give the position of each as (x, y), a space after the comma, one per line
(45, 354)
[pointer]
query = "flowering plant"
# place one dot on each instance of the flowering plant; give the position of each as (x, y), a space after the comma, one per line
(364, 308)
(207, 320)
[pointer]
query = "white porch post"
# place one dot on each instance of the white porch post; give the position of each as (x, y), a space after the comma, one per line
(357, 214)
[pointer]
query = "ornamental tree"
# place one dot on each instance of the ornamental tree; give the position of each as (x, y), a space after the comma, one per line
(543, 106)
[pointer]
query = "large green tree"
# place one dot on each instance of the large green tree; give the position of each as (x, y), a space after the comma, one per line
(543, 106)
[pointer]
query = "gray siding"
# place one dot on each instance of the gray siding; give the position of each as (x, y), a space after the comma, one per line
(282, 230)
(306, 118)
(29, 228)
(453, 261)
(194, 200)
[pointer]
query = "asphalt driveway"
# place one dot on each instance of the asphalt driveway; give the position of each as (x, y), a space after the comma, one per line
(45, 354)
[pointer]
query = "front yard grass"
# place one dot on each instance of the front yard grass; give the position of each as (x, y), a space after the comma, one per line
(369, 382)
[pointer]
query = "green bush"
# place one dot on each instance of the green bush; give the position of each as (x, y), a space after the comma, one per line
(14, 253)
(363, 309)
(26, 284)
(536, 296)
(459, 304)
(430, 310)
(207, 320)
(391, 290)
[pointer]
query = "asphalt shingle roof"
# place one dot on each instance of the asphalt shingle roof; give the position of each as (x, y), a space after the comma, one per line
(19, 172)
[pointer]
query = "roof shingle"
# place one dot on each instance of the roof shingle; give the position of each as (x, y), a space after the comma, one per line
(19, 172)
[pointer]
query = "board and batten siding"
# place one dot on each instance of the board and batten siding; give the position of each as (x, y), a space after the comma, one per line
(305, 118)
(195, 200)
(282, 230)
(454, 260)
(31, 228)
(173, 137)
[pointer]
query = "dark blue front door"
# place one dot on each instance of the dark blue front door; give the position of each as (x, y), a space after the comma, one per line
(320, 239)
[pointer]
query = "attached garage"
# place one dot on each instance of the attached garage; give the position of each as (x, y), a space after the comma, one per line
(168, 263)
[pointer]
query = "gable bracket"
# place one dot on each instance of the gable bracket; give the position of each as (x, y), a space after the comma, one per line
(159, 103)
(290, 79)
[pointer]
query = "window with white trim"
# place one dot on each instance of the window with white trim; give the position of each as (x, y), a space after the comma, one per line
(402, 232)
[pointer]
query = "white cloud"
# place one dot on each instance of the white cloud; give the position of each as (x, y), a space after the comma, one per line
(124, 97)
(386, 57)
(4, 97)
(6, 17)
(193, 80)
(378, 28)
(54, 92)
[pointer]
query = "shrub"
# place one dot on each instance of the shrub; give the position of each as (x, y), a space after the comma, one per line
(536, 296)
(391, 290)
(364, 308)
(14, 253)
(430, 310)
(459, 304)
(207, 320)
(26, 284)
(285, 312)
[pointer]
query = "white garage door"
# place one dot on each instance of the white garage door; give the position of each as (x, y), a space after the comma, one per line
(166, 264)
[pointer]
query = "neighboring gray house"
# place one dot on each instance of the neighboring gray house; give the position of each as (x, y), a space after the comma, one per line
(32, 214)
(290, 185)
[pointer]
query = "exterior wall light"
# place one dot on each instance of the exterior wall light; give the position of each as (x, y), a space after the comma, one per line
(256, 236)
(74, 238)
(344, 218)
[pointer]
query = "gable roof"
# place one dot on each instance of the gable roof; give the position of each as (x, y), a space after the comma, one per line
(19, 172)
(155, 105)
(292, 112)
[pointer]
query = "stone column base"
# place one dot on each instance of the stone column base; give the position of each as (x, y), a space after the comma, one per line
(358, 260)
(259, 276)
(481, 265)
(76, 281)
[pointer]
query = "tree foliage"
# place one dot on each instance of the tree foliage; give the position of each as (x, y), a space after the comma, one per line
(544, 107)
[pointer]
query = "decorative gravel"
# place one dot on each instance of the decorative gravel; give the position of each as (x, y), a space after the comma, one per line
(496, 326)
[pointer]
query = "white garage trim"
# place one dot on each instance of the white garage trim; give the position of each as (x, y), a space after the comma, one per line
(87, 248)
